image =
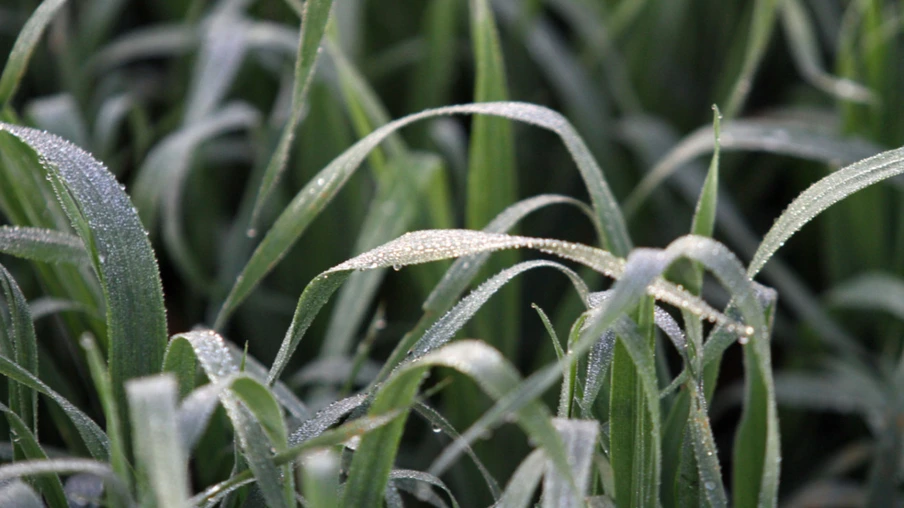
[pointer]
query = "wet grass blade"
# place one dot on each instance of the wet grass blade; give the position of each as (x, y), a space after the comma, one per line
(389, 215)
(308, 203)
(372, 463)
(434, 245)
(579, 437)
(253, 428)
(25, 45)
(492, 179)
(68, 467)
(760, 31)
(91, 433)
(120, 251)
(823, 194)
(45, 245)
(50, 485)
(157, 443)
(23, 348)
(314, 20)
(754, 135)
(807, 55)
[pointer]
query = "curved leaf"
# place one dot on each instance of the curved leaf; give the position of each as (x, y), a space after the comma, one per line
(45, 245)
(120, 250)
(321, 189)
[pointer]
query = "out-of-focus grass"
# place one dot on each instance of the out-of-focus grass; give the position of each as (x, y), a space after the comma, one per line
(259, 144)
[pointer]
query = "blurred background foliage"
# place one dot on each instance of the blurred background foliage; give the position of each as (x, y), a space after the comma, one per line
(198, 90)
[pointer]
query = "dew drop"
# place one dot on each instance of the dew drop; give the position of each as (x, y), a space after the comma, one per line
(709, 485)
(251, 232)
(436, 429)
(396, 267)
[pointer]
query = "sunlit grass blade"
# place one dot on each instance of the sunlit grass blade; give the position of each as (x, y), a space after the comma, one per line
(758, 35)
(315, 16)
(806, 52)
(875, 291)
(254, 369)
(375, 455)
(45, 245)
(751, 135)
(521, 486)
(120, 251)
(308, 203)
(823, 194)
(320, 478)
(50, 485)
(25, 45)
(158, 447)
(195, 412)
(579, 437)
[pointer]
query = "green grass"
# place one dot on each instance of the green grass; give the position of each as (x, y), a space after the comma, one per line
(281, 252)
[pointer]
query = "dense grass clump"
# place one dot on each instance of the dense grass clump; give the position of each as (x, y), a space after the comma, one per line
(451, 253)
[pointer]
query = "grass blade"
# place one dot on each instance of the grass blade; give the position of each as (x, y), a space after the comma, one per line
(158, 448)
(413, 482)
(45, 245)
(762, 20)
(101, 378)
(25, 45)
(579, 437)
(314, 19)
(761, 135)
(806, 52)
(389, 215)
(19, 494)
(26, 441)
(68, 466)
(433, 245)
(521, 486)
(23, 348)
(216, 361)
(320, 478)
(823, 194)
(121, 254)
(321, 189)
(91, 434)
(373, 459)
(492, 180)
